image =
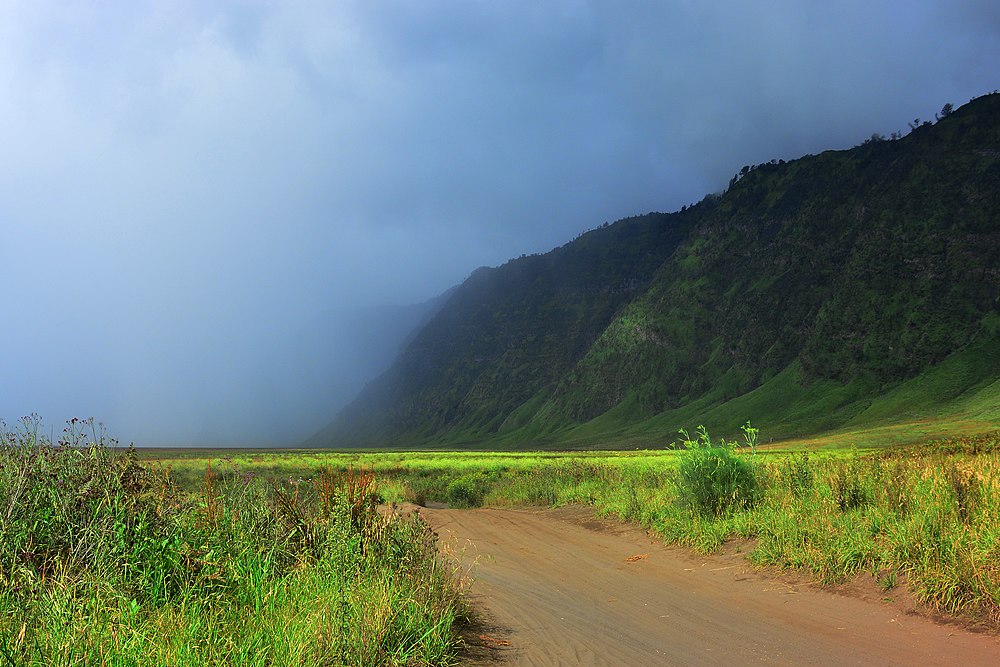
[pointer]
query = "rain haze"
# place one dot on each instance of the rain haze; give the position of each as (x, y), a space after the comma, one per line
(211, 213)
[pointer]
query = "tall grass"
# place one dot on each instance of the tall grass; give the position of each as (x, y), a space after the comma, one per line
(103, 561)
(713, 477)
(927, 516)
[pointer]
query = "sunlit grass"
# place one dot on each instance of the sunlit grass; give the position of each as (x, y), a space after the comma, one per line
(928, 515)
(104, 561)
(847, 503)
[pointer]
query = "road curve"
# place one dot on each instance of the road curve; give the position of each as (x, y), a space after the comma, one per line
(561, 587)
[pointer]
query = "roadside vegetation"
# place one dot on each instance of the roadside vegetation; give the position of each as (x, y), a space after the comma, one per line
(104, 560)
(925, 517)
(112, 556)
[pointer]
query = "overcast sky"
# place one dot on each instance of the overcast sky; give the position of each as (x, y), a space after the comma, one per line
(186, 185)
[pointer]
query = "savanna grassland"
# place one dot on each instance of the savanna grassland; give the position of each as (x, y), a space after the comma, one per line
(923, 516)
(105, 560)
(113, 556)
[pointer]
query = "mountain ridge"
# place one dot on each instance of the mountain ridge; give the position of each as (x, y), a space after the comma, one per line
(863, 268)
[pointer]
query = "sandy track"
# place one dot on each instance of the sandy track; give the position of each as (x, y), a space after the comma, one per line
(559, 587)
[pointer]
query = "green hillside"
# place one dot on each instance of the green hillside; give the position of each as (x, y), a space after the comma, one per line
(842, 289)
(508, 333)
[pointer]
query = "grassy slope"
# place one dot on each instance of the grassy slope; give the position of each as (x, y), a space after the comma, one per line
(862, 269)
(959, 395)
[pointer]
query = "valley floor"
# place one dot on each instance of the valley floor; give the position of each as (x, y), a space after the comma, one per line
(561, 586)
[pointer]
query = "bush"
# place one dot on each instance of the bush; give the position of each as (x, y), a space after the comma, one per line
(713, 477)
(469, 490)
(78, 505)
(427, 485)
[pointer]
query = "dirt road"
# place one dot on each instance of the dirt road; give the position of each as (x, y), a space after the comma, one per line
(560, 587)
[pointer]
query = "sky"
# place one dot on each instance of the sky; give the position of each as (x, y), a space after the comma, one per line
(202, 202)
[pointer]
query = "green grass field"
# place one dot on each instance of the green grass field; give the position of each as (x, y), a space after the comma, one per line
(837, 506)
(270, 557)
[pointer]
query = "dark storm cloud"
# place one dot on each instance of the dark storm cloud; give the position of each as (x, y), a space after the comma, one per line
(186, 187)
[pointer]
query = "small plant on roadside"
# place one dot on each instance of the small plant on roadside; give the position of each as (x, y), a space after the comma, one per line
(887, 581)
(750, 436)
(713, 477)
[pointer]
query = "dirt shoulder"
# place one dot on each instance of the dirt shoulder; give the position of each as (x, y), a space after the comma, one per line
(562, 587)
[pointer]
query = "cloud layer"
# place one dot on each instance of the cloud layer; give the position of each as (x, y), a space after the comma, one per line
(185, 186)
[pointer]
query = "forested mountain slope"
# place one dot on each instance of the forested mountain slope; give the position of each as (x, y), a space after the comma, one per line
(509, 332)
(836, 276)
